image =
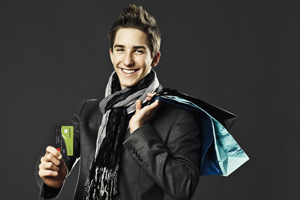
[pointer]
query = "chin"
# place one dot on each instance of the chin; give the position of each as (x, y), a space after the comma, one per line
(125, 85)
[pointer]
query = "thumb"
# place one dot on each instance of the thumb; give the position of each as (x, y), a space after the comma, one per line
(138, 105)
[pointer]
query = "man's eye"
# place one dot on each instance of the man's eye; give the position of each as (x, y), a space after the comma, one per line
(139, 51)
(120, 50)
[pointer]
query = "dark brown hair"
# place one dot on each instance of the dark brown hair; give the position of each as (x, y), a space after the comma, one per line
(138, 18)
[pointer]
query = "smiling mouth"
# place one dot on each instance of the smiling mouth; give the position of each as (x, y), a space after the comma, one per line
(131, 71)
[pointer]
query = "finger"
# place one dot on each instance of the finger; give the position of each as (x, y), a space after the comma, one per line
(54, 152)
(156, 104)
(148, 98)
(46, 173)
(48, 166)
(138, 105)
(151, 94)
(49, 157)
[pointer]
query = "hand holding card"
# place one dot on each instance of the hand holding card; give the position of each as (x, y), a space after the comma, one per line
(52, 169)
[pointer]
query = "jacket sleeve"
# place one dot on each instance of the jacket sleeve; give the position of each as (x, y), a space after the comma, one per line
(173, 164)
(47, 192)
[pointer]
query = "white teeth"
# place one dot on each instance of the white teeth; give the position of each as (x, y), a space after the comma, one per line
(128, 71)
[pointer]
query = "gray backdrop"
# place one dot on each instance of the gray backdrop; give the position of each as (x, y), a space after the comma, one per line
(240, 55)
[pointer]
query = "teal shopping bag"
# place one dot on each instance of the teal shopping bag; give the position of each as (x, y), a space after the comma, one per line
(220, 154)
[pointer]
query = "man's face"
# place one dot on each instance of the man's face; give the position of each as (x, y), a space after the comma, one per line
(131, 56)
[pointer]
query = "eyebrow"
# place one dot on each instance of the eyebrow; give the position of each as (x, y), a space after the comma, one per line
(135, 47)
(118, 45)
(139, 47)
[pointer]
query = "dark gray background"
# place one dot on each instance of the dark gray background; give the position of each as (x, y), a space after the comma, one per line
(240, 55)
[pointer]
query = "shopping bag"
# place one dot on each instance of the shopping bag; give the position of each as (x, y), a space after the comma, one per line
(220, 154)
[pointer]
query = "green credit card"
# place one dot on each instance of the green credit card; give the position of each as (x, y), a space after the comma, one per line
(64, 139)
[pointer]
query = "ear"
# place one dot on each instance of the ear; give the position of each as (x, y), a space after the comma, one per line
(155, 60)
(111, 55)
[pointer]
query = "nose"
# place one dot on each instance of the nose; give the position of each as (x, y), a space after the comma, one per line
(128, 60)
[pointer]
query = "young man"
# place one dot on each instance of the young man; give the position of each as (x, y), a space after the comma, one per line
(127, 149)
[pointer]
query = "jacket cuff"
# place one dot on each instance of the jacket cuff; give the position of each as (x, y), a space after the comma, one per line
(49, 192)
(143, 143)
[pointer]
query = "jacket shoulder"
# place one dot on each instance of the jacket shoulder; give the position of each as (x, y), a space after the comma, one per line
(88, 106)
(175, 111)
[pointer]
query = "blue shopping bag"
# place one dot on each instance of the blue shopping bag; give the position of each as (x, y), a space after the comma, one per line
(220, 154)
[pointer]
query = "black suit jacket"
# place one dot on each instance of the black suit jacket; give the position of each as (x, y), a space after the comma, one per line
(160, 160)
